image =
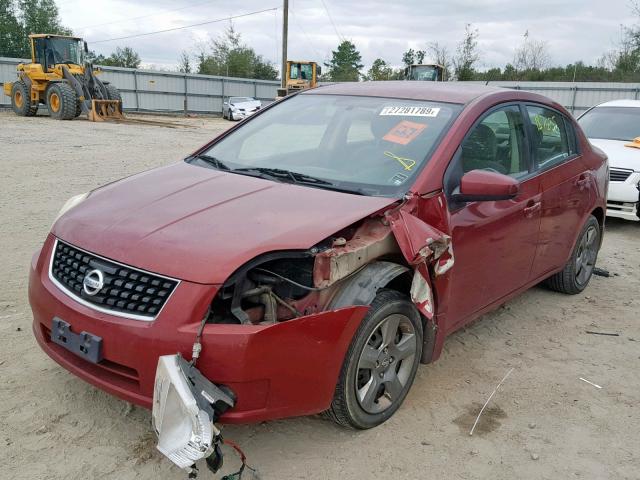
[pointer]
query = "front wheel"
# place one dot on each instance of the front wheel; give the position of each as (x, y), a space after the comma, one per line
(62, 101)
(381, 363)
(576, 274)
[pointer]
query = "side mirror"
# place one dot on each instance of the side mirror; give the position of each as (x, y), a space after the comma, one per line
(86, 48)
(484, 185)
(318, 70)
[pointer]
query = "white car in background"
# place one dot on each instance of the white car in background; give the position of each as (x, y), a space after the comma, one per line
(237, 108)
(612, 127)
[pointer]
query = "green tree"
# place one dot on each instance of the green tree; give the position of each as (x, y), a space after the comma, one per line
(379, 70)
(20, 18)
(123, 57)
(345, 65)
(39, 16)
(228, 56)
(467, 55)
(11, 31)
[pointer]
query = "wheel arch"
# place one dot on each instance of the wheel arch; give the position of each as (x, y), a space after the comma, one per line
(362, 288)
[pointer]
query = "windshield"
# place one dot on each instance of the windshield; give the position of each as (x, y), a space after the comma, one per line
(375, 146)
(611, 123)
(424, 73)
(241, 99)
(302, 71)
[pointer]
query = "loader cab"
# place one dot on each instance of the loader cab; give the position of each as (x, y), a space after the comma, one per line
(51, 50)
(425, 73)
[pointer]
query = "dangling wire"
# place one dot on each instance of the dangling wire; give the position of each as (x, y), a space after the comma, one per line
(243, 459)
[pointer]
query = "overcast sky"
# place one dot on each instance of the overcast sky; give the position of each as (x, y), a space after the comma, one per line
(574, 29)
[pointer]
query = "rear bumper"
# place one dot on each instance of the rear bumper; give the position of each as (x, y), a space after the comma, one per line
(276, 371)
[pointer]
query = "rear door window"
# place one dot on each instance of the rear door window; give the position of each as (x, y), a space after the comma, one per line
(550, 143)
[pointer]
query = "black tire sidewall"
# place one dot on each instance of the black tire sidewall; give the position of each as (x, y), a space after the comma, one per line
(68, 101)
(26, 98)
(592, 221)
(357, 416)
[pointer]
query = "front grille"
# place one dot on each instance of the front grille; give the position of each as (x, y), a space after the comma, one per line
(126, 291)
(619, 175)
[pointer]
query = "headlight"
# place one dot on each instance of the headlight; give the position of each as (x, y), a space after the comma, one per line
(72, 202)
(184, 410)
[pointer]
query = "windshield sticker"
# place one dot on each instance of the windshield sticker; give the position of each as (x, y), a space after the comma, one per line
(407, 163)
(404, 132)
(410, 111)
(399, 178)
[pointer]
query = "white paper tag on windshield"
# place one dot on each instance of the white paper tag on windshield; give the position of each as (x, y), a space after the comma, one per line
(406, 111)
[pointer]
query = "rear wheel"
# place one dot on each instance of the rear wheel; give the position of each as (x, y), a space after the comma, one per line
(62, 101)
(381, 363)
(21, 100)
(576, 274)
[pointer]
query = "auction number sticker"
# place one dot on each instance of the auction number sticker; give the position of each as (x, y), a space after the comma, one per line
(408, 111)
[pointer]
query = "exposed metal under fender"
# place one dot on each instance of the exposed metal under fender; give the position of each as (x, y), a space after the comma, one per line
(361, 289)
(423, 246)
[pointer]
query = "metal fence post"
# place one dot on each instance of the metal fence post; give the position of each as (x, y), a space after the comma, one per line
(636, 93)
(255, 89)
(573, 101)
(185, 95)
(222, 96)
(135, 89)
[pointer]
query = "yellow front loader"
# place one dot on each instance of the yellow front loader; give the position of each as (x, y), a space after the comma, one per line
(59, 78)
(300, 75)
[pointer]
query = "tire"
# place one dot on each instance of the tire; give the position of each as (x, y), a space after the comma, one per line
(113, 93)
(372, 387)
(62, 101)
(21, 100)
(576, 274)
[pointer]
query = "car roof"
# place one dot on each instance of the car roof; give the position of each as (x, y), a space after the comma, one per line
(620, 103)
(450, 92)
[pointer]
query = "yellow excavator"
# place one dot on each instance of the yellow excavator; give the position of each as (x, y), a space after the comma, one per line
(300, 75)
(60, 78)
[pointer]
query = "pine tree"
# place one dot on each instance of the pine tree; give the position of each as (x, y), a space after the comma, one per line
(345, 65)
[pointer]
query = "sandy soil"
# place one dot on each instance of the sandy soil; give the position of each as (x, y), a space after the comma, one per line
(543, 423)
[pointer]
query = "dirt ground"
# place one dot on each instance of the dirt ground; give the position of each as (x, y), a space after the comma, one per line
(544, 423)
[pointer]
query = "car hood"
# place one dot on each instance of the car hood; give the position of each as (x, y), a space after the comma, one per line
(619, 155)
(199, 224)
(247, 105)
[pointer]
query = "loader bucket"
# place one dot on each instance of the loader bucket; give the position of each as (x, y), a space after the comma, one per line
(102, 110)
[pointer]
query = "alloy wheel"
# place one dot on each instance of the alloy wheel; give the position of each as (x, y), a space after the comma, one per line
(385, 364)
(586, 256)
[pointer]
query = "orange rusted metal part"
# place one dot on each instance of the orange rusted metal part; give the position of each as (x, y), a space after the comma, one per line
(102, 110)
(373, 239)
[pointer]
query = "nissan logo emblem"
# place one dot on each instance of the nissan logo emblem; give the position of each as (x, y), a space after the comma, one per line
(93, 282)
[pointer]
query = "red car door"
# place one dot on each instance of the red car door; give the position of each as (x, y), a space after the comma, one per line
(494, 242)
(565, 183)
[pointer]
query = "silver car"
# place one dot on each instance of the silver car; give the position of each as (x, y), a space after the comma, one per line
(237, 108)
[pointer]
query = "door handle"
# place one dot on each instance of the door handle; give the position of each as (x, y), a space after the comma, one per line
(532, 208)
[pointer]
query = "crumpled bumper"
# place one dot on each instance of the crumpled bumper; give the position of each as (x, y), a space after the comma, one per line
(281, 370)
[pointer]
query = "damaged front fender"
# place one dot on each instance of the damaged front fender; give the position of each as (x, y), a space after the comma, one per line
(422, 246)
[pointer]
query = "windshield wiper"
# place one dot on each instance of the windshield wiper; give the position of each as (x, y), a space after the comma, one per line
(300, 178)
(215, 162)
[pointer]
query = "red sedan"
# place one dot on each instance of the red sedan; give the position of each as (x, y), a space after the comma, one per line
(319, 251)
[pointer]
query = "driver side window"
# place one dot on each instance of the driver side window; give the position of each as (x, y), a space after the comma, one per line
(497, 144)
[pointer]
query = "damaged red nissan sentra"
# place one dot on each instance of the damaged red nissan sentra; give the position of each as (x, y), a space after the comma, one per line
(312, 256)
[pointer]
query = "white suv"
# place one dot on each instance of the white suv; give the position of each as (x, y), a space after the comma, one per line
(612, 127)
